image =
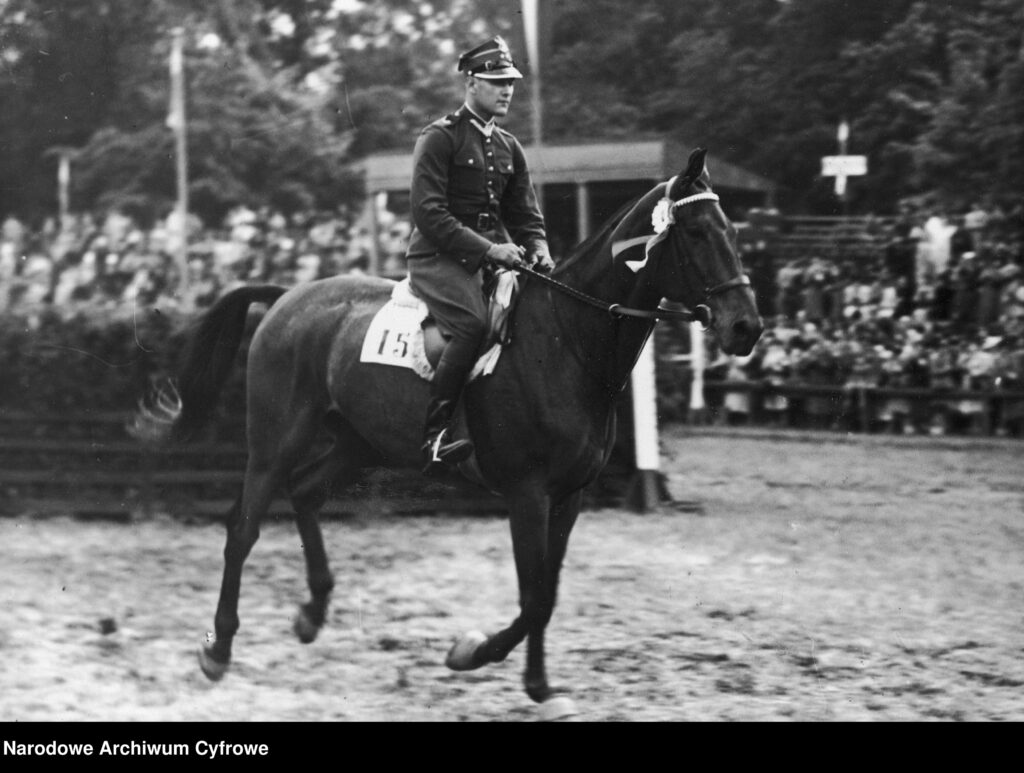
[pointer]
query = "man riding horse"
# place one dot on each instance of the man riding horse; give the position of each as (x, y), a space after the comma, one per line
(473, 205)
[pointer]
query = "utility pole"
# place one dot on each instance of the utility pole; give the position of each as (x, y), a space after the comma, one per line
(176, 121)
(531, 21)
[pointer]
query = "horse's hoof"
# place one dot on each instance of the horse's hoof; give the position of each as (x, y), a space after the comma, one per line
(213, 669)
(305, 628)
(460, 656)
(558, 709)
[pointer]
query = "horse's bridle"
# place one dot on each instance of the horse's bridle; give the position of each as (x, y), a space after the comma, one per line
(667, 220)
(701, 312)
(737, 281)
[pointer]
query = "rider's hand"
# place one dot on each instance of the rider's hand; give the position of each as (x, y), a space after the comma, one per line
(505, 255)
(541, 260)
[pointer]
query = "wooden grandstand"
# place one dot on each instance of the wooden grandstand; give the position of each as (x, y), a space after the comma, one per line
(831, 238)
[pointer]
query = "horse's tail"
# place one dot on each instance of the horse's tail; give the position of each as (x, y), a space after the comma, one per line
(177, 408)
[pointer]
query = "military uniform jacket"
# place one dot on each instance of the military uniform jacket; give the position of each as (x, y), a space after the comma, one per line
(469, 191)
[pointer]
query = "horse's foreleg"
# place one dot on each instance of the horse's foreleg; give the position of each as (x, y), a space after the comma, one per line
(560, 524)
(529, 513)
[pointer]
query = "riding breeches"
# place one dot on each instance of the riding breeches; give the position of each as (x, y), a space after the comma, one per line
(454, 297)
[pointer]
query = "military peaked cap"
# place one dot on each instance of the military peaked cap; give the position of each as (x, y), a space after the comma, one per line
(492, 60)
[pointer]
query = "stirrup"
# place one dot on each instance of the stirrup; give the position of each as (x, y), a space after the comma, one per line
(440, 455)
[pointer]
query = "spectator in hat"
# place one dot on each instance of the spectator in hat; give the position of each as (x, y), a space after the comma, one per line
(473, 205)
(775, 368)
(989, 291)
(1012, 299)
(975, 222)
(737, 402)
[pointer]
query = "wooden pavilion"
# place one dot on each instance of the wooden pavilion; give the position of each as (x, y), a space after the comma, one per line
(579, 187)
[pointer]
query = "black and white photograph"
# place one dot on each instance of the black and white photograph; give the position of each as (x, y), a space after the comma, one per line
(503, 361)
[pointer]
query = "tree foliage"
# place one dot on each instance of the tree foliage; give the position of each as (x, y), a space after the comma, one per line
(285, 96)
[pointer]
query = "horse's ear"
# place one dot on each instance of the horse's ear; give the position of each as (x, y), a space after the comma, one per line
(696, 166)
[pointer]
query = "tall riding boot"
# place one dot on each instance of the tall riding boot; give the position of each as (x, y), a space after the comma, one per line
(439, 449)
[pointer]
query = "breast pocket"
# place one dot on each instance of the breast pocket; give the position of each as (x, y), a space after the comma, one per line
(503, 162)
(503, 159)
(466, 179)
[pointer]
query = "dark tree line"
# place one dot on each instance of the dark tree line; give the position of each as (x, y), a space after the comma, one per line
(285, 96)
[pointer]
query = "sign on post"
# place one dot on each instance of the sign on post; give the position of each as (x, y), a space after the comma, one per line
(842, 167)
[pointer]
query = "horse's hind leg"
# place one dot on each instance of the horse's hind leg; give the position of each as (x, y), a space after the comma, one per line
(273, 450)
(313, 613)
(309, 488)
(243, 529)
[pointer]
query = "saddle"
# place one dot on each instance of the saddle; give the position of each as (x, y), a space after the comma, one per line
(404, 334)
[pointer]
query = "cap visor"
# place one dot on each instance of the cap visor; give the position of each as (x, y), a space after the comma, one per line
(494, 75)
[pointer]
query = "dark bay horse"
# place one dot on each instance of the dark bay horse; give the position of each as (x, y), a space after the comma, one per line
(543, 423)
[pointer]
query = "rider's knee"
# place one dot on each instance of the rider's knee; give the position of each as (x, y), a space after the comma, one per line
(472, 331)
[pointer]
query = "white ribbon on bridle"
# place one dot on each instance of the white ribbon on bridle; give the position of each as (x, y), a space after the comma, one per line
(662, 217)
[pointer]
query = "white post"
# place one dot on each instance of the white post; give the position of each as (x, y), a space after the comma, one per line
(645, 409)
(647, 489)
(698, 361)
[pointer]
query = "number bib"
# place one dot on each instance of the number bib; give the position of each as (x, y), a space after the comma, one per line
(393, 333)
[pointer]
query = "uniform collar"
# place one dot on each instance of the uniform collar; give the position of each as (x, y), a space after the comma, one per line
(484, 127)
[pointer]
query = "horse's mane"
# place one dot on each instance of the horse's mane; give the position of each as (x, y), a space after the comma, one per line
(586, 247)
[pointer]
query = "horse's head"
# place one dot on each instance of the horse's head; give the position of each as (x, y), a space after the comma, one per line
(692, 258)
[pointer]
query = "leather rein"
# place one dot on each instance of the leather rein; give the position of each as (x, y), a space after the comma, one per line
(617, 309)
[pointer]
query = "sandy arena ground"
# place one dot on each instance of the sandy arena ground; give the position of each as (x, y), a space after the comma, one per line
(823, 581)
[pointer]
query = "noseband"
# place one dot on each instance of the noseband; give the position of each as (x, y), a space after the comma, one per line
(737, 281)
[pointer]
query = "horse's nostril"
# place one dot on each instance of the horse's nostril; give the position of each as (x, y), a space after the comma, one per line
(741, 328)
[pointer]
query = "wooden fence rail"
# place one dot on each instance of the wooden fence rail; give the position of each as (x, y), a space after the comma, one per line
(858, 407)
(88, 464)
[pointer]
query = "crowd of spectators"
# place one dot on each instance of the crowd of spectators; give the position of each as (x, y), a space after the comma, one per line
(936, 309)
(112, 266)
(936, 303)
